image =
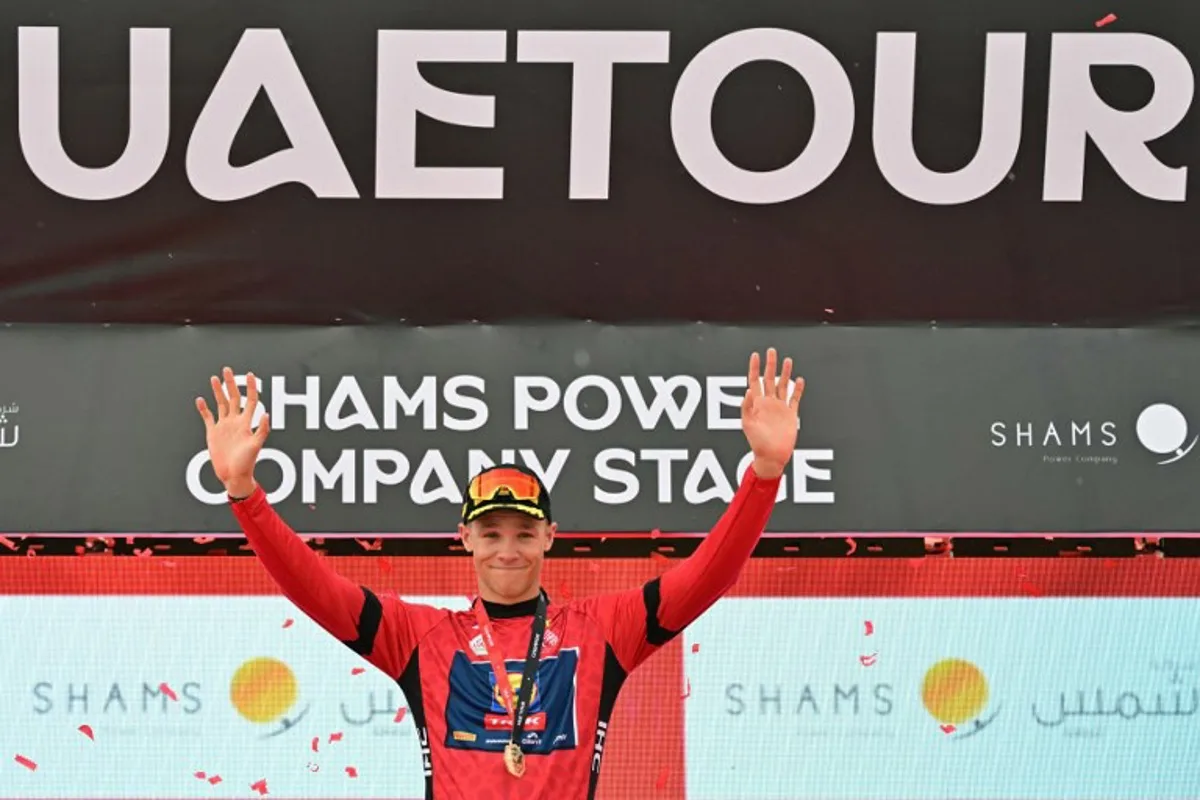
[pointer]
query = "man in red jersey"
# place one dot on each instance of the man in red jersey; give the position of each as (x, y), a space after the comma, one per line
(501, 694)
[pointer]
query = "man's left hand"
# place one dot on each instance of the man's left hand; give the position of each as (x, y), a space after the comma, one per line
(770, 418)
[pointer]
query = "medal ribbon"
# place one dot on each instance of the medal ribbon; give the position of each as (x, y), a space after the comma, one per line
(518, 707)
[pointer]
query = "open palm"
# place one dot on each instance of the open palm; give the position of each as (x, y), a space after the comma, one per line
(233, 447)
(770, 419)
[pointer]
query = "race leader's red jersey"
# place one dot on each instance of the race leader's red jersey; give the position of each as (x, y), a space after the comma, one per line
(437, 656)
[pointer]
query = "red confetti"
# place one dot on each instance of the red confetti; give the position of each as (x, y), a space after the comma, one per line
(168, 691)
(166, 562)
(145, 553)
(593, 566)
(868, 661)
(204, 539)
(565, 591)
(370, 546)
(400, 714)
(853, 546)
(357, 671)
(654, 534)
(657, 556)
(7, 542)
(688, 693)
(201, 775)
(385, 566)
(1106, 20)
(287, 623)
(26, 763)
(260, 787)
(335, 737)
(79, 550)
(696, 647)
(86, 730)
(352, 772)
(214, 780)
(870, 627)
(31, 552)
(316, 740)
(1109, 563)
(948, 729)
(660, 782)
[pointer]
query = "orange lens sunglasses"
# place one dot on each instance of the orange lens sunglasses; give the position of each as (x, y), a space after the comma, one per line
(485, 487)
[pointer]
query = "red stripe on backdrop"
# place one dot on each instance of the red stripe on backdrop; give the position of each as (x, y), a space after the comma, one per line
(876, 577)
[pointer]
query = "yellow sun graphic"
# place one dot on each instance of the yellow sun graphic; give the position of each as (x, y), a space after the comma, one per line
(263, 689)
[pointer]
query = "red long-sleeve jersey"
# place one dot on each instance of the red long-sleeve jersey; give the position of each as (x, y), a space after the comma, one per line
(436, 655)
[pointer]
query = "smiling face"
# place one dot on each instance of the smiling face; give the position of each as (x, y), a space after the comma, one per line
(508, 549)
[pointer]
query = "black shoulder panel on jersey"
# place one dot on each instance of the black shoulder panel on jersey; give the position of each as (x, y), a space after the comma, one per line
(368, 624)
(656, 634)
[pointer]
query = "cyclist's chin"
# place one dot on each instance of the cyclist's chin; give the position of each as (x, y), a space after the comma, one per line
(512, 583)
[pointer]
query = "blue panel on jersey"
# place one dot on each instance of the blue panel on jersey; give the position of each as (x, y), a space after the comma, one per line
(475, 716)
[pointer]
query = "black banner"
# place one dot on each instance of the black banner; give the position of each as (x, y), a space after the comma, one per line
(763, 161)
(632, 429)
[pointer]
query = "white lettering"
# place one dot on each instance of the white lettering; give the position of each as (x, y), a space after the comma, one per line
(349, 390)
(38, 120)
(312, 470)
(287, 474)
(1077, 113)
(375, 476)
(664, 457)
(423, 399)
(718, 398)
(403, 93)
(592, 54)
(524, 401)
(706, 466)
(1000, 136)
(612, 402)
(803, 471)
(309, 399)
(263, 61)
(679, 414)
(453, 392)
(692, 107)
(607, 472)
(434, 465)
(1051, 433)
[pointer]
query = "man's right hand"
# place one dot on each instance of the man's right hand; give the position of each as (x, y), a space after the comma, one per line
(232, 446)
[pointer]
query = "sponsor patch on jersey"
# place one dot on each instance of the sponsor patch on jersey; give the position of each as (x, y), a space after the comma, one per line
(475, 706)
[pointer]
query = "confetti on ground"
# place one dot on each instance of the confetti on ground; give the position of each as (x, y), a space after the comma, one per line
(1107, 19)
(870, 627)
(168, 691)
(687, 693)
(660, 782)
(696, 647)
(352, 772)
(260, 787)
(400, 714)
(143, 553)
(26, 763)
(335, 737)
(868, 661)
(948, 729)
(853, 546)
(7, 542)
(289, 622)
(204, 539)
(86, 730)
(370, 546)
(357, 671)
(316, 741)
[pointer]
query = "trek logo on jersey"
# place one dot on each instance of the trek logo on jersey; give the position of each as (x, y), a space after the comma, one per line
(476, 718)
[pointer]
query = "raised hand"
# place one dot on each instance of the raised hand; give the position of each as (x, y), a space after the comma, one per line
(233, 447)
(770, 420)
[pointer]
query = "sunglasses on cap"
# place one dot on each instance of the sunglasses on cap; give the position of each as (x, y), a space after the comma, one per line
(506, 488)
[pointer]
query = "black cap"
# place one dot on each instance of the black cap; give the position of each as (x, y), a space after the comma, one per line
(506, 487)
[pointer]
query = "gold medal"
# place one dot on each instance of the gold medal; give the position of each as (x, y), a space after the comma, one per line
(514, 759)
